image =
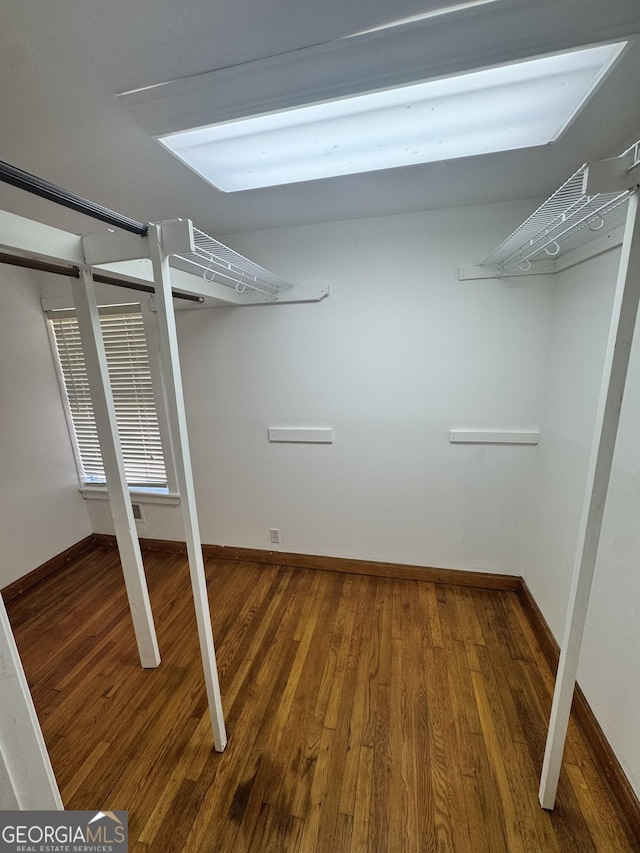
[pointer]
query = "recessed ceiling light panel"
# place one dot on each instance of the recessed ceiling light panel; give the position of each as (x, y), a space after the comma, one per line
(497, 109)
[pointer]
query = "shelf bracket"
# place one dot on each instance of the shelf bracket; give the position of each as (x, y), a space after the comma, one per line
(469, 272)
(617, 174)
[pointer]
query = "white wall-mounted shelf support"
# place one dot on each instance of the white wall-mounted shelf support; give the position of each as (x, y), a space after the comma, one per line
(613, 175)
(38, 241)
(611, 239)
(623, 321)
(119, 499)
(301, 435)
(107, 247)
(297, 295)
(26, 776)
(475, 436)
(473, 272)
(172, 381)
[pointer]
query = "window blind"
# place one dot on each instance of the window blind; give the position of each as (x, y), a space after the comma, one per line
(128, 362)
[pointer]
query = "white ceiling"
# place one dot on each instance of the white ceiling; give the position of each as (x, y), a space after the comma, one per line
(63, 62)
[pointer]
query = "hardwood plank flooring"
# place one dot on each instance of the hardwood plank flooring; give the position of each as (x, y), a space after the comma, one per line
(365, 714)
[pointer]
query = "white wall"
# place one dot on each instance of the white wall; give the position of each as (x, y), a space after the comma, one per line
(41, 511)
(608, 672)
(400, 353)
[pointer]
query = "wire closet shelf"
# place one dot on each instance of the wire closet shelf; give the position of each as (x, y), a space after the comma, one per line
(568, 219)
(215, 262)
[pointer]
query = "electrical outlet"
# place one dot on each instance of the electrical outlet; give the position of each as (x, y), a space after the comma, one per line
(274, 535)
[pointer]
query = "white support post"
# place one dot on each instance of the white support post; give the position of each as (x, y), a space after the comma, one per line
(84, 298)
(623, 321)
(170, 362)
(26, 775)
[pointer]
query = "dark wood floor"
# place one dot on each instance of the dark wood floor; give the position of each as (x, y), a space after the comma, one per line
(364, 714)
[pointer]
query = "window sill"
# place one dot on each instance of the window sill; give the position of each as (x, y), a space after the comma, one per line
(143, 496)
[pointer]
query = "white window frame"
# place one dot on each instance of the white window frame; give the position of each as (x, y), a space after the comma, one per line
(147, 494)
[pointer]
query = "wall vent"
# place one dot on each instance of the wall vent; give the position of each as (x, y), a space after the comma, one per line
(138, 514)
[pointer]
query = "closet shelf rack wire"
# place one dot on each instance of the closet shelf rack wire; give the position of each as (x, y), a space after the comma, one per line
(214, 261)
(568, 219)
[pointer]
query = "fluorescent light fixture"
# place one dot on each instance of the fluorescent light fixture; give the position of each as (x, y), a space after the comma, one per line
(496, 109)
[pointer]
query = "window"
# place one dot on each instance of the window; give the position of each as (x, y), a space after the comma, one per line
(130, 372)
